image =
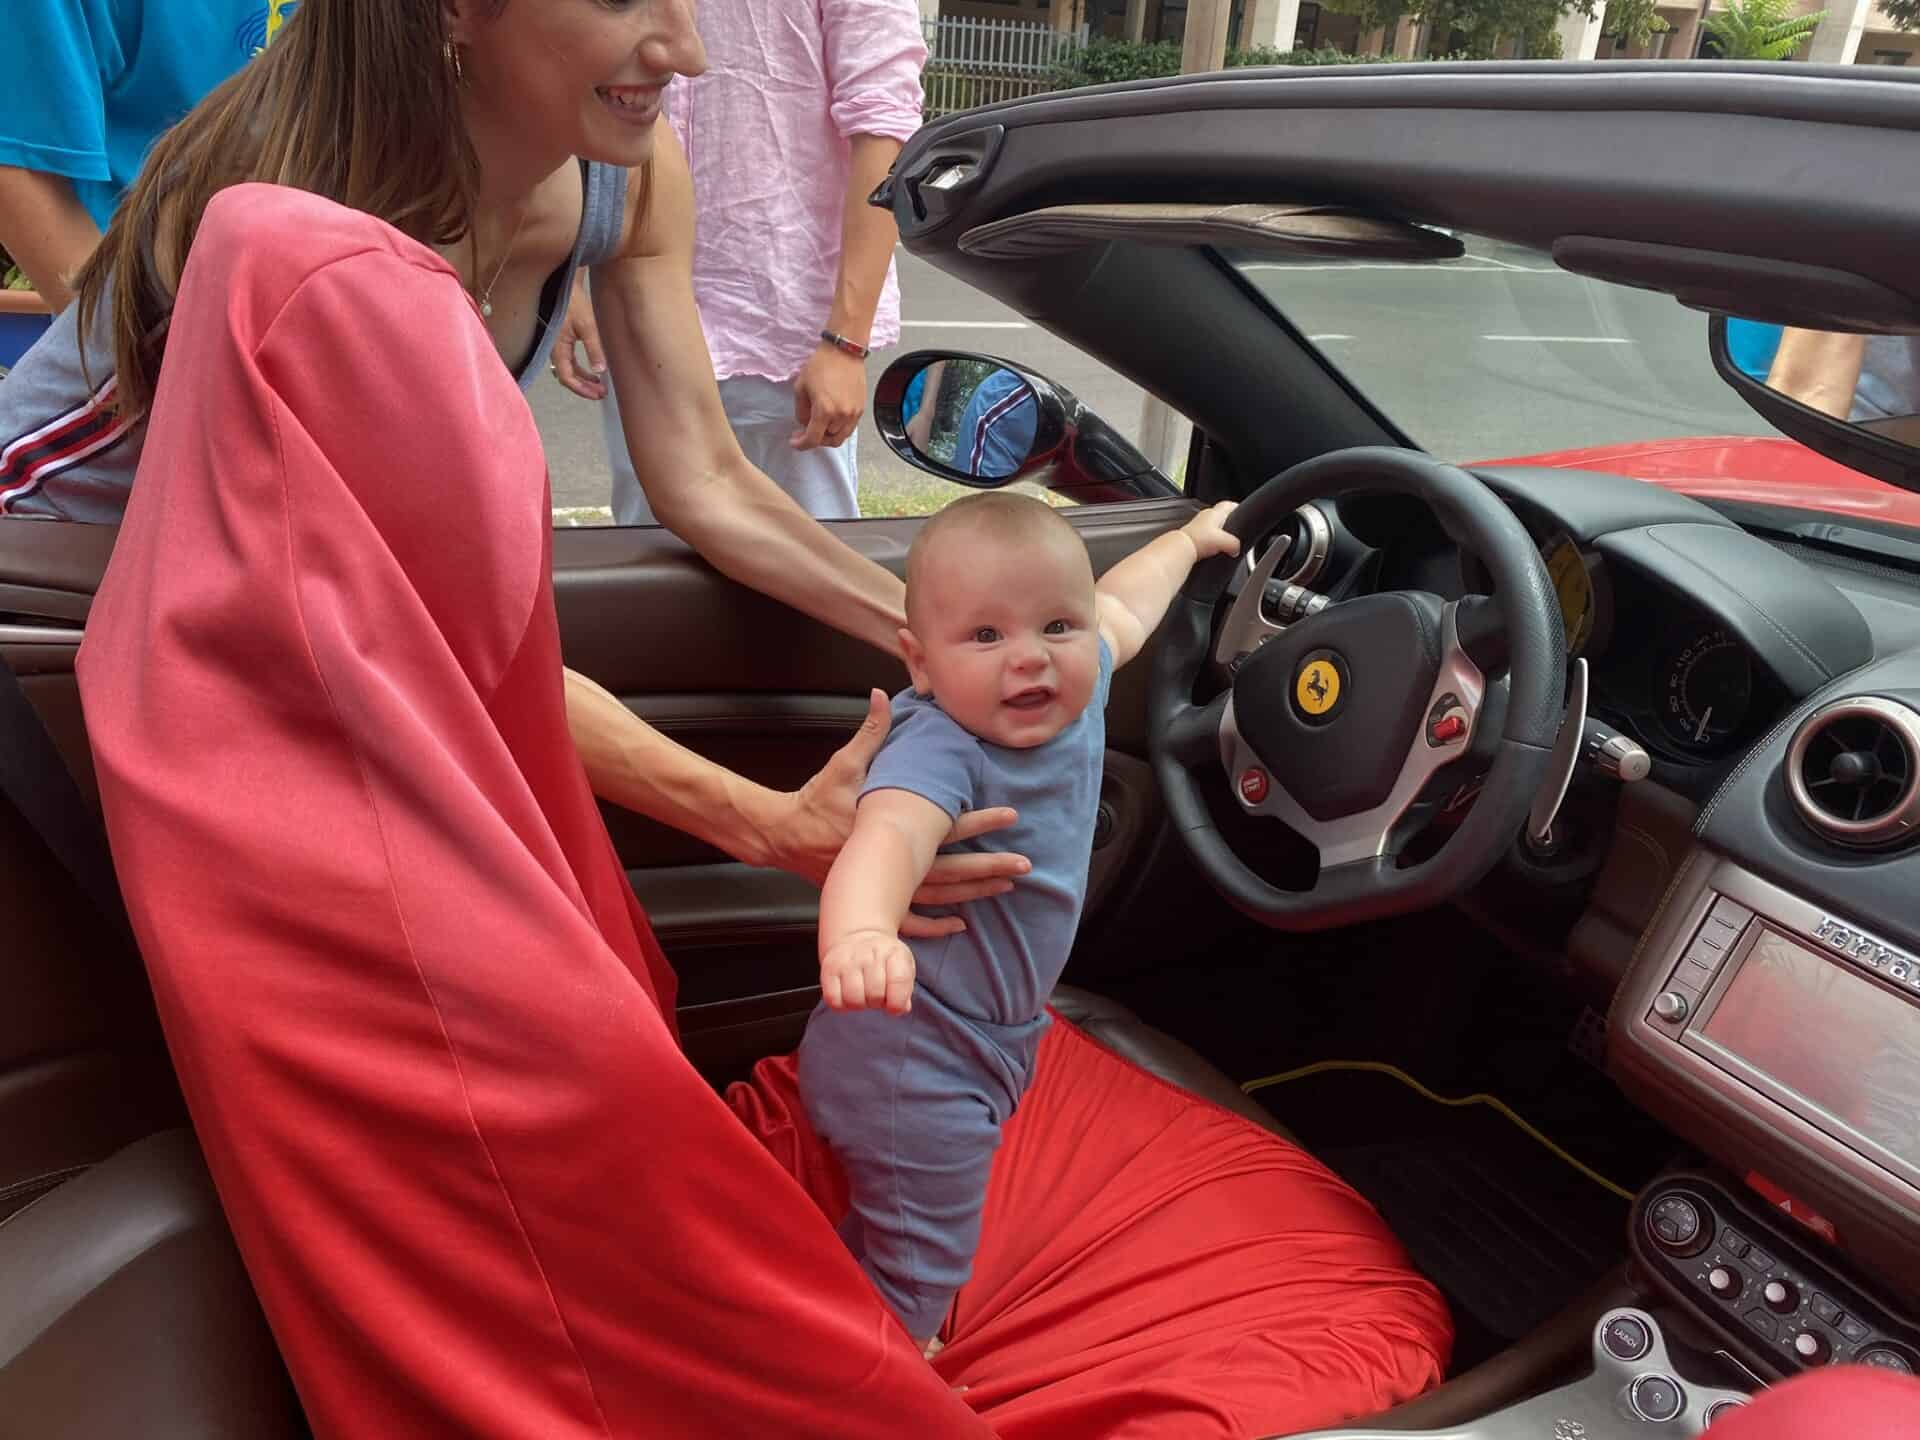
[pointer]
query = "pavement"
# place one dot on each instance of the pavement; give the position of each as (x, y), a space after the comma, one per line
(1497, 354)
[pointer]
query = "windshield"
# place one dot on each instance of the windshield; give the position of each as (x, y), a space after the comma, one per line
(1502, 355)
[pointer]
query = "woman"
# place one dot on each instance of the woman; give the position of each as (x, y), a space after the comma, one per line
(520, 141)
(425, 1034)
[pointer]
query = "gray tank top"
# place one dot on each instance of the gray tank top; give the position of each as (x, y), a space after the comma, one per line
(65, 454)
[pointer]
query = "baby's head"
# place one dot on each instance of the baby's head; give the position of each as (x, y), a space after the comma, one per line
(1000, 618)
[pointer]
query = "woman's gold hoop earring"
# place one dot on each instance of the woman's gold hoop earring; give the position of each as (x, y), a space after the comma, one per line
(452, 52)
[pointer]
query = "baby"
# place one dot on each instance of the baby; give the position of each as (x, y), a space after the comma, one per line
(1011, 647)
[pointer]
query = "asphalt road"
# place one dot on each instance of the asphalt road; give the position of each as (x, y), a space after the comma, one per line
(1494, 355)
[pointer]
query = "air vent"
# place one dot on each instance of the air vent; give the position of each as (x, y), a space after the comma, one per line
(1854, 771)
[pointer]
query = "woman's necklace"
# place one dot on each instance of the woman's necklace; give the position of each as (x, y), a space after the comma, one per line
(486, 295)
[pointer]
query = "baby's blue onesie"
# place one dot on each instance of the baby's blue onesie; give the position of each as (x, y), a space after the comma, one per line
(913, 1104)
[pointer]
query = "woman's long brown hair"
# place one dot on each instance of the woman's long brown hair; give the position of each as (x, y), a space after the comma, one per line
(354, 100)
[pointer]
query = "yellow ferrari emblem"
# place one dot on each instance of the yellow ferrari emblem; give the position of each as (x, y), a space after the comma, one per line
(1317, 687)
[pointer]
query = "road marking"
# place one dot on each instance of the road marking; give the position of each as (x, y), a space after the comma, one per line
(1563, 339)
(1486, 267)
(963, 325)
(1329, 337)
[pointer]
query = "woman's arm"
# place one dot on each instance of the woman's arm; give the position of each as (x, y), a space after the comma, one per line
(632, 764)
(695, 477)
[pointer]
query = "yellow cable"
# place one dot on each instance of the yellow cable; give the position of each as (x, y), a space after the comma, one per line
(1378, 1067)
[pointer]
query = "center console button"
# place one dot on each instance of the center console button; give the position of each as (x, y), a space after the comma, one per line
(1656, 1398)
(1760, 1260)
(1736, 1243)
(1724, 1281)
(1853, 1329)
(1812, 1347)
(1626, 1337)
(1675, 1222)
(1823, 1308)
(1781, 1297)
(1760, 1321)
(1720, 1409)
(1885, 1357)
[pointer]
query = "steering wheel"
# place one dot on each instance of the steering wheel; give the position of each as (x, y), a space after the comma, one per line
(1336, 725)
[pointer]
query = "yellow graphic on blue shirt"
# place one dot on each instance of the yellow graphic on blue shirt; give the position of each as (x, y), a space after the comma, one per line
(265, 23)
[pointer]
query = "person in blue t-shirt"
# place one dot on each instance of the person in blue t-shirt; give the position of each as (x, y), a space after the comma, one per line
(996, 429)
(85, 88)
(918, 1054)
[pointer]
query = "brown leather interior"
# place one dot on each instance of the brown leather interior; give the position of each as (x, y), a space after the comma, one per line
(80, 1072)
(1561, 1347)
(1124, 1033)
(126, 1311)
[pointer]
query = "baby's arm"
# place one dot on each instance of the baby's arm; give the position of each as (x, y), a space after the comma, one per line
(863, 964)
(1134, 595)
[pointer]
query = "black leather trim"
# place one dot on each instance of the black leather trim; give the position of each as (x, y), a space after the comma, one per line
(1803, 630)
(1589, 503)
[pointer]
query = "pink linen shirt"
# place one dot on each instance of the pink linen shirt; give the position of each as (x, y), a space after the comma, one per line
(766, 132)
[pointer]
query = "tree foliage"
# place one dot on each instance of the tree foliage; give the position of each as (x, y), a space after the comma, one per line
(1761, 29)
(1475, 29)
(1635, 22)
(1905, 14)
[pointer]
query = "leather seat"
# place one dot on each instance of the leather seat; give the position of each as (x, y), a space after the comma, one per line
(1131, 1038)
(124, 1310)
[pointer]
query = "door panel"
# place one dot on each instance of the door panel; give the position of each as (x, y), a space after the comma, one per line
(726, 671)
(771, 694)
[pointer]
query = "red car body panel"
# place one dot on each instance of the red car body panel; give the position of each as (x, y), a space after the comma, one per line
(1758, 470)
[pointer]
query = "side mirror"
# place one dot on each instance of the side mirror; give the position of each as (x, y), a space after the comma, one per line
(981, 421)
(1852, 397)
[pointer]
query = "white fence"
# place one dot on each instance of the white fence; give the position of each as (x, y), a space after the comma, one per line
(976, 62)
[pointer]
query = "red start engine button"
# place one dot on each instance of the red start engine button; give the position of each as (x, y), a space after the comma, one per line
(1448, 728)
(1253, 785)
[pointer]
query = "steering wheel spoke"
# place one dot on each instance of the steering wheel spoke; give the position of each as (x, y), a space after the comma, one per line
(1247, 627)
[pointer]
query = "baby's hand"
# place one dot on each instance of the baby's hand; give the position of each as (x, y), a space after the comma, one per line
(867, 970)
(1209, 534)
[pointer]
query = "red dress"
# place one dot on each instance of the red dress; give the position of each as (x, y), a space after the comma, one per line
(426, 1034)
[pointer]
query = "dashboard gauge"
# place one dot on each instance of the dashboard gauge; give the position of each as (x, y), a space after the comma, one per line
(1572, 583)
(1704, 690)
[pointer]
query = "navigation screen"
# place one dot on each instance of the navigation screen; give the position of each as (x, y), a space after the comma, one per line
(1829, 1034)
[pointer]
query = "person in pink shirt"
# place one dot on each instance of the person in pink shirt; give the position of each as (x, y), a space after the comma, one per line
(787, 133)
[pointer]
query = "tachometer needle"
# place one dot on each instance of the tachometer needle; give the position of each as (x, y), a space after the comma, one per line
(1700, 735)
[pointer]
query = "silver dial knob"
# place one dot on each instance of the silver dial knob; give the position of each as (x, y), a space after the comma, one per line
(1670, 1005)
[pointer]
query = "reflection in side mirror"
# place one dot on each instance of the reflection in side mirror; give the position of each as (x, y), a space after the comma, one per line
(1852, 397)
(986, 422)
(971, 416)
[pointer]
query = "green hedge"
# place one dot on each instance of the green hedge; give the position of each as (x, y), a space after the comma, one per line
(1106, 62)
(12, 277)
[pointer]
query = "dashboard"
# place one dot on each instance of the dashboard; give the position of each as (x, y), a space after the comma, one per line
(1761, 956)
(1690, 627)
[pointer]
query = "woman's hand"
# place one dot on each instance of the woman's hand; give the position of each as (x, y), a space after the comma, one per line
(589, 382)
(807, 827)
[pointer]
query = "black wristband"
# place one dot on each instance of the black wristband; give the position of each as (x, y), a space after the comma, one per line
(841, 342)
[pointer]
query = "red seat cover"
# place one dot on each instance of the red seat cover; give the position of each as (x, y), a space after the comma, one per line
(426, 1035)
